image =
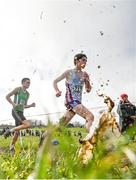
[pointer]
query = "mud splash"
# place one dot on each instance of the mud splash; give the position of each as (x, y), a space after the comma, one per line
(108, 130)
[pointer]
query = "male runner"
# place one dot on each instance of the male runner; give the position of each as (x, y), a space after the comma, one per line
(75, 80)
(21, 96)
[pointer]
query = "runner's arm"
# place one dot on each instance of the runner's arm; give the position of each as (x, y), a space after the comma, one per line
(30, 105)
(58, 79)
(8, 96)
(88, 86)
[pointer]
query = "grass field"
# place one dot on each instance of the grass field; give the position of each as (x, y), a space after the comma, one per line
(61, 161)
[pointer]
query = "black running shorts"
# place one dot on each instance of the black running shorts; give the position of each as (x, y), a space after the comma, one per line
(18, 116)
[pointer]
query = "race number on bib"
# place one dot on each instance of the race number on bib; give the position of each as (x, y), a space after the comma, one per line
(77, 89)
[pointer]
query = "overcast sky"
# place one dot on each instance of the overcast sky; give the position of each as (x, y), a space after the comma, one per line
(38, 39)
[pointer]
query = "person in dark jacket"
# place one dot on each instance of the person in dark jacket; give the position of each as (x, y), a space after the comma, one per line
(125, 111)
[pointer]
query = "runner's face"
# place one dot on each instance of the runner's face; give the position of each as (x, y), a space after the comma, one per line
(82, 62)
(26, 84)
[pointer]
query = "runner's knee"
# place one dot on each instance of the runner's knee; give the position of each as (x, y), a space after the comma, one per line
(27, 124)
(90, 117)
(62, 120)
(16, 133)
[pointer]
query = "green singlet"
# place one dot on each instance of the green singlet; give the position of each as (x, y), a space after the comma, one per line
(20, 99)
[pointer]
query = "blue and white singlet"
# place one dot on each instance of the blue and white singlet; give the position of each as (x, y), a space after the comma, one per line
(74, 88)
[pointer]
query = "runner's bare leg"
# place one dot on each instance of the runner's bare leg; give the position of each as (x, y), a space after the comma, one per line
(88, 116)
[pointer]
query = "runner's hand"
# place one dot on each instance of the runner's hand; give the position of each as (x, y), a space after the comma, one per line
(58, 93)
(14, 105)
(86, 76)
(88, 90)
(33, 105)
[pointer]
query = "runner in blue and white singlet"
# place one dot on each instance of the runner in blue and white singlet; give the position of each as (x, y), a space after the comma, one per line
(75, 80)
(74, 88)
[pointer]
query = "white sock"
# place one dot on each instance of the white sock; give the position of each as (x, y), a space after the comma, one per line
(91, 133)
(11, 146)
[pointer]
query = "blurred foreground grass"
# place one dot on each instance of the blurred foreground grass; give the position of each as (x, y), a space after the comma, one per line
(61, 161)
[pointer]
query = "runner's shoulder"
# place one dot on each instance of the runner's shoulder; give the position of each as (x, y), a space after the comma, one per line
(68, 72)
(17, 89)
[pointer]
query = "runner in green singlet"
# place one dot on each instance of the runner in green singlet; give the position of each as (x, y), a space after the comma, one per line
(21, 96)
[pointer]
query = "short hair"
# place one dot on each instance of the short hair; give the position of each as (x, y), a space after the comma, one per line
(79, 56)
(24, 79)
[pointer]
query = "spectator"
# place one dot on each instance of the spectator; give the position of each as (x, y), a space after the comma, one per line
(125, 110)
